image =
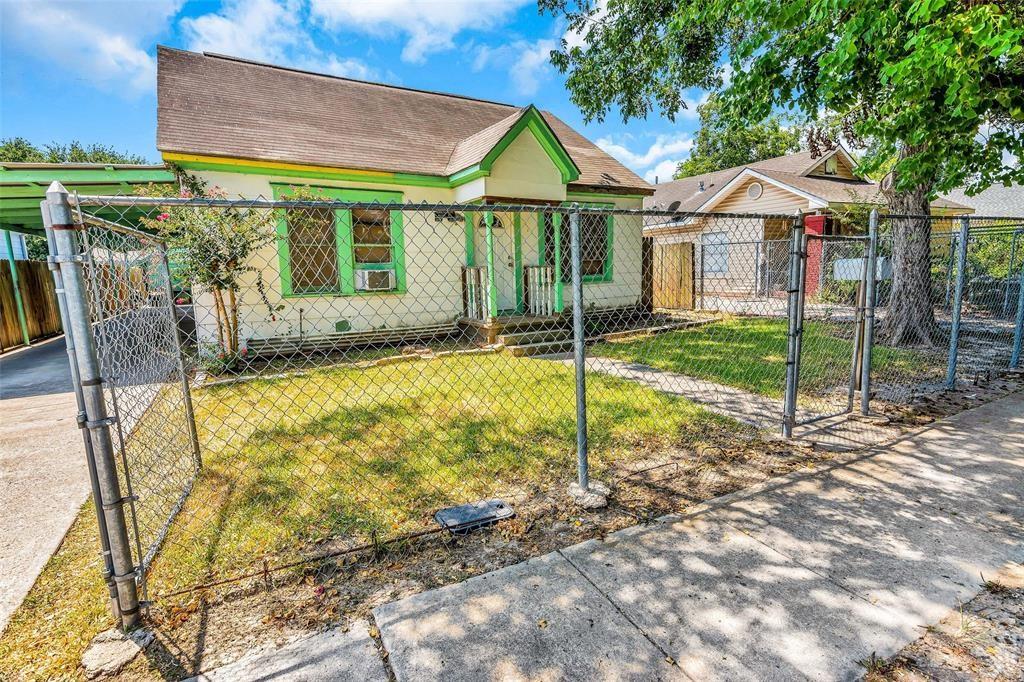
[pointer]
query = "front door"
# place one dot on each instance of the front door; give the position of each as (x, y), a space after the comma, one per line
(504, 257)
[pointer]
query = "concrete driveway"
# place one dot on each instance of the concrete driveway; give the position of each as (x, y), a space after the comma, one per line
(43, 474)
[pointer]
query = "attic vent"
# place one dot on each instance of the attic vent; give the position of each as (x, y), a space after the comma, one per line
(755, 190)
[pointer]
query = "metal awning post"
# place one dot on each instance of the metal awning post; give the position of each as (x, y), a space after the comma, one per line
(18, 301)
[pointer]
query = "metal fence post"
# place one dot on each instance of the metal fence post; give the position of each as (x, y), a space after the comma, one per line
(1009, 271)
(870, 297)
(579, 349)
(793, 307)
(97, 421)
(958, 300)
(19, 304)
(186, 390)
(76, 385)
(1018, 327)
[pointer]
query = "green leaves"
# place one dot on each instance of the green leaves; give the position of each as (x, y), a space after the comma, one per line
(946, 78)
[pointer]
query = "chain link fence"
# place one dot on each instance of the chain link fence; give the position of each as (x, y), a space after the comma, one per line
(300, 379)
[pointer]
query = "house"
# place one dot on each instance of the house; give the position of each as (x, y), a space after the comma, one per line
(997, 201)
(257, 130)
(750, 256)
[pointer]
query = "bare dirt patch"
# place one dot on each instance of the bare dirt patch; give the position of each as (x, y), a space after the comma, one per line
(982, 640)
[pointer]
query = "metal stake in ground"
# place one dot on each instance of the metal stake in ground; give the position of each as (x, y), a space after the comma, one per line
(97, 420)
(588, 494)
(869, 313)
(958, 301)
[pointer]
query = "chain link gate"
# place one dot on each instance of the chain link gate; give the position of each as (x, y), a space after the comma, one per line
(831, 310)
(125, 346)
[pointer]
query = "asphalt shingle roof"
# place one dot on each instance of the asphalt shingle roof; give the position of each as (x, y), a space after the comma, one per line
(685, 194)
(212, 105)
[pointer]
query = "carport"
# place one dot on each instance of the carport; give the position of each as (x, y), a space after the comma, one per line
(28, 308)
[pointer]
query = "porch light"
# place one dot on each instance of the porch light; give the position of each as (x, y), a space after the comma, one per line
(495, 223)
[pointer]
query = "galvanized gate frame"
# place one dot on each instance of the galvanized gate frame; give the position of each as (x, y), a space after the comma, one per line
(864, 321)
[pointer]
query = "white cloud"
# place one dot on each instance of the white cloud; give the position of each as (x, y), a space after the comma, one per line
(690, 112)
(268, 31)
(263, 30)
(579, 38)
(106, 43)
(664, 146)
(527, 62)
(429, 26)
(663, 172)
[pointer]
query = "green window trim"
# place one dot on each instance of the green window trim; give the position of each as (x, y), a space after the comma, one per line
(609, 261)
(343, 240)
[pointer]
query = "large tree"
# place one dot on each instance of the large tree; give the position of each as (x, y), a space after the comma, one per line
(935, 87)
(720, 144)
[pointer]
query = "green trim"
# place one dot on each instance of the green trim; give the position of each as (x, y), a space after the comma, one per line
(517, 242)
(603, 195)
(344, 245)
(409, 179)
(470, 245)
(25, 176)
(284, 262)
(492, 283)
(609, 258)
(556, 221)
(533, 121)
(467, 175)
(16, 285)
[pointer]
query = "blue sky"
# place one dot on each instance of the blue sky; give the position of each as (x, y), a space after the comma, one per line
(96, 83)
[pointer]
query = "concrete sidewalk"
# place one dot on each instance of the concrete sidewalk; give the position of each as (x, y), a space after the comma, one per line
(43, 474)
(799, 578)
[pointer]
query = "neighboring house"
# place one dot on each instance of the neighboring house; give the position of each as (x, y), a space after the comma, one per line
(744, 256)
(998, 201)
(257, 130)
(17, 246)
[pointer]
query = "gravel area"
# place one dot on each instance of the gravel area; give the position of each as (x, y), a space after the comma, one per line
(982, 640)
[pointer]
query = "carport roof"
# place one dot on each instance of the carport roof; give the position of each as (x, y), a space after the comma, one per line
(23, 186)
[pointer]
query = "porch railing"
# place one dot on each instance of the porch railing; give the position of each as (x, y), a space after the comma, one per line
(474, 292)
(540, 289)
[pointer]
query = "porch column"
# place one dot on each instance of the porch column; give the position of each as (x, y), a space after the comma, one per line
(16, 285)
(556, 220)
(492, 284)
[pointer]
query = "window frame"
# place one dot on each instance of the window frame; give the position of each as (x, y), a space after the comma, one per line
(560, 222)
(724, 270)
(344, 242)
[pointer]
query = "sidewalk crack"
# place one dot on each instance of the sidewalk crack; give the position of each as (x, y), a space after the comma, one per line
(664, 653)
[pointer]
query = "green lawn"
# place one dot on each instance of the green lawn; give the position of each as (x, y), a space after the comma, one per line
(750, 353)
(344, 453)
(292, 462)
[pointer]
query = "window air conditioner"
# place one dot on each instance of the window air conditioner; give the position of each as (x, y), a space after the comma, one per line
(375, 280)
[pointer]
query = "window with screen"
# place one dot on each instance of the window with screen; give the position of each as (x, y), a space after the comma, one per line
(715, 248)
(371, 238)
(312, 250)
(338, 250)
(594, 245)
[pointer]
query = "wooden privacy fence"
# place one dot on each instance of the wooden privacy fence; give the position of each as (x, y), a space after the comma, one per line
(42, 316)
(673, 276)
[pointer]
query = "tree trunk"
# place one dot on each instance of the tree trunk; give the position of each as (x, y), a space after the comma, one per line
(910, 318)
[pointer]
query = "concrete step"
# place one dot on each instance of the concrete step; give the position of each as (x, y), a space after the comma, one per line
(542, 348)
(535, 336)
